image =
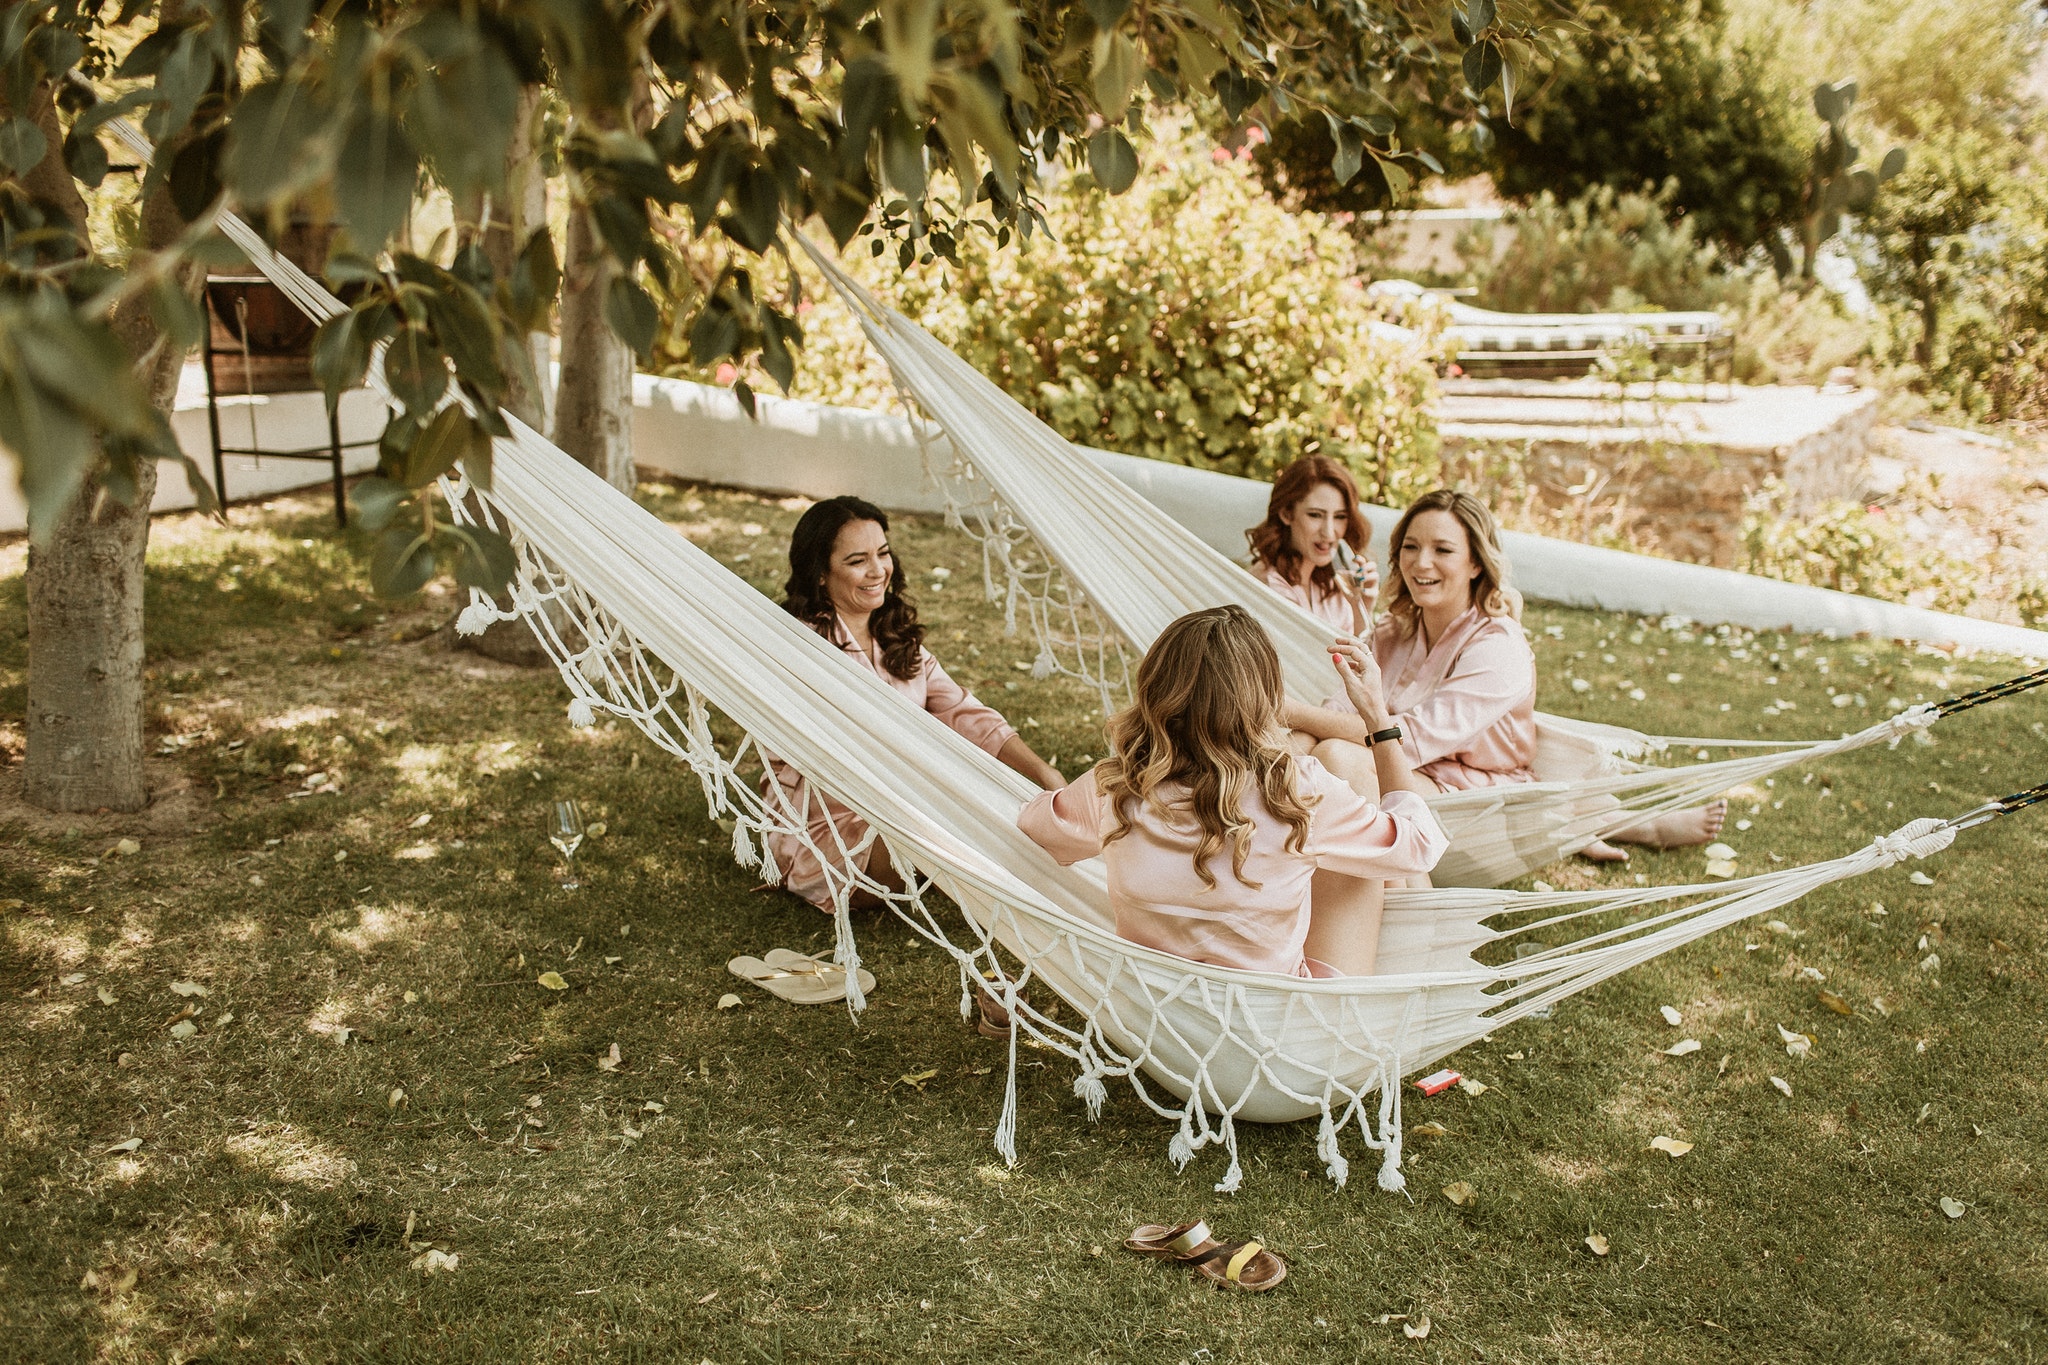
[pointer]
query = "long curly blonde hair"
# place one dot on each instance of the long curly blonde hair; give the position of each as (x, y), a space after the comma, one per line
(1205, 715)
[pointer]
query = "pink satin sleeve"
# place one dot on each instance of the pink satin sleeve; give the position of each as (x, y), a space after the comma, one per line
(1349, 834)
(1066, 823)
(1492, 674)
(979, 724)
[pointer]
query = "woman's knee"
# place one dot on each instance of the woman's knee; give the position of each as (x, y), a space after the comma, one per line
(1352, 763)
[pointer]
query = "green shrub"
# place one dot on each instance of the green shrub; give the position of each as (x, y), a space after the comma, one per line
(1191, 320)
(1851, 548)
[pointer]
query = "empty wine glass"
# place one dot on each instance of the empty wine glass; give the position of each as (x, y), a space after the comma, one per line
(566, 834)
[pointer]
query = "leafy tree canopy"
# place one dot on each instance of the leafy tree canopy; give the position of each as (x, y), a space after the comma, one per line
(752, 120)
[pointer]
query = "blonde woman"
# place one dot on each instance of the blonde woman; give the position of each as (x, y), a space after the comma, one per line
(1311, 517)
(1221, 844)
(1460, 677)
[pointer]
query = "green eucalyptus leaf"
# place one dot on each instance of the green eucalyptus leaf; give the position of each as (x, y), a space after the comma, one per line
(757, 209)
(1480, 14)
(279, 143)
(744, 391)
(1397, 177)
(450, 436)
(194, 176)
(1118, 69)
(374, 179)
(177, 314)
(1113, 159)
(530, 290)
(22, 145)
(85, 158)
(1237, 92)
(467, 333)
(414, 368)
(53, 446)
(1481, 66)
(1350, 154)
(484, 559)
(714, 335)
(1461, 27)
(631, 315)
(402, 563)
(1894, 162)
(377, 501)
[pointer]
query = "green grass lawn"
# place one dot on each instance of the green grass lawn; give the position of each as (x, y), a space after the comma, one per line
(769, 1182)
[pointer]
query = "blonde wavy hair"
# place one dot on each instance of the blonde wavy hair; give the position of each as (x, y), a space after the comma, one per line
(1493, 591)
(1205, 715)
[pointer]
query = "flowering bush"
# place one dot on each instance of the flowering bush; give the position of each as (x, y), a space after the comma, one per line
(1851, 548)
(1190, 320)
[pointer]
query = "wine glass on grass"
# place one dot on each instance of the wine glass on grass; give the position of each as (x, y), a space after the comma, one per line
(566, 834)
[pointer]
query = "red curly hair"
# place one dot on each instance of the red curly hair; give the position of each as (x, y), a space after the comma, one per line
(1272, 540)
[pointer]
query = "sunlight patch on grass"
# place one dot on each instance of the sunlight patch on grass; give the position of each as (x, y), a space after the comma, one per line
(286, 1153)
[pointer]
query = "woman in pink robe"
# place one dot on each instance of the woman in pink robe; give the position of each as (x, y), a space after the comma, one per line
(1221, 845)
(1313, 510)
(1460, 677)
(845, 583)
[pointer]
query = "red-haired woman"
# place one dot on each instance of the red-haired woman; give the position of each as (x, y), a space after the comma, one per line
(1313, 511)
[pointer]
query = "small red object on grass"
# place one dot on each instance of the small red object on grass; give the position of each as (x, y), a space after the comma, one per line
(1438, 1082)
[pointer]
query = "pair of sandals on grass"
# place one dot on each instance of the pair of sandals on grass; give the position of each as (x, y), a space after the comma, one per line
(805, 980)
(1227, 1265)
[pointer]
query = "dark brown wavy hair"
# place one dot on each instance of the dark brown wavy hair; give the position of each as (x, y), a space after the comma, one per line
(894, 624)
(1492, 590)
(1205, 714)
(1272, 540)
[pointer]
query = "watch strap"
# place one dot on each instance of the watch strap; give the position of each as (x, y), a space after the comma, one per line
(1379, 737)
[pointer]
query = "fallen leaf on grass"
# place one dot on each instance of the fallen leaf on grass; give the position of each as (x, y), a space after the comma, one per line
(630, 1133)
(1813, 974)
(653, 1107)
(1954, 1208)
(396, 1098)
(1671, 1016)
(707, 1298)
(422, 820)
(71, 980)
(107, 997)
(1796, 1044)
(431, 1262)
(1460, 1193)
(1723, 868)
(1684, 1047)
(1778, 926)
(1596, 1244)
(729, 1001)
(1671, 1147)
(1931, 963)
(1416, 1330)
(1720, 851)
(1784, 1086)
(1919, 879)
(1430, 1129)
(126, 1145)
(610, 1061)
(1836, 1003)
(1473, 1088)
(552, 980)
(127, 847)
(188, 988)
(412, 997)
(1881, 1005)
(916, 1078)
(184, 1028)
(118, 1280)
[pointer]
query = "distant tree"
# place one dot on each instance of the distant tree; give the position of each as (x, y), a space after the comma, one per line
(1650, 94)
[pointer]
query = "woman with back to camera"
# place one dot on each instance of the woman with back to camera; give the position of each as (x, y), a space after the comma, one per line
(1312, 525)
(846, 584)
(1221, 844)
(1460, 677)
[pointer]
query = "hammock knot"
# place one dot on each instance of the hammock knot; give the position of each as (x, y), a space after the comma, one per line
(1334, 1164)
(1916, 717)
(1045, 665)
(476, 618)
(581, 713)
(1915, 839)
(1390, 1179)
(743, 846)
(1181, 1150)
(1089, 1089)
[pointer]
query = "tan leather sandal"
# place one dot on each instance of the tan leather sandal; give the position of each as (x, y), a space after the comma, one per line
(1240, 1265)
(1178, 1242)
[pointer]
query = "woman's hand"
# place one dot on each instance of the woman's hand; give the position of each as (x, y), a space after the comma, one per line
(1361, 674)
(1362, 584)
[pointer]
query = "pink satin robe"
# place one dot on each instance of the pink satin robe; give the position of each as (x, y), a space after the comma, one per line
(1327, 605)
(1466, 708)
(1261, 923)
(787, 792)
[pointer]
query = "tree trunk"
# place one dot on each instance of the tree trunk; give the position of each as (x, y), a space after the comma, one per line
(594, 403)
(523, 209)
(85, 694)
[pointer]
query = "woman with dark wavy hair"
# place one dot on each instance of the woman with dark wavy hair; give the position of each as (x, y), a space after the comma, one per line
(1223, 846)
(1312, 519)
(846, 584)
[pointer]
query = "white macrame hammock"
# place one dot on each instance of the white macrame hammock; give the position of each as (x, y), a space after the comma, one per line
(648, 628)
(1118, 569)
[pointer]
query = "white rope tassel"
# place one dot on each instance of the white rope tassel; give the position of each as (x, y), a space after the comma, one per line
(743, 851)
(844, 951)
(476, 618)
(1045, 665)
(1914, 839)
(1006, 1126)
(581, 714)
(1089, 1089)
(1181, 1150)
(1390, 1178)
(1233, 1177)
(1334, 1164)
(966, 992)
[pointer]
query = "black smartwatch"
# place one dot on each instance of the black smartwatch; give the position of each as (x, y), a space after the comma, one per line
(1379, 737)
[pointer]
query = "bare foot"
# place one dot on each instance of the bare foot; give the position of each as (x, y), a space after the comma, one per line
(1600, 851)
(1679, 829)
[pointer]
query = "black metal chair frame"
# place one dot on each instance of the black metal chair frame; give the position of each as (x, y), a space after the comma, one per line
(331, 452)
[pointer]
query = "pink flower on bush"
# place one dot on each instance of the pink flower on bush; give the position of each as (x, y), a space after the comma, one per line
(726, 372)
